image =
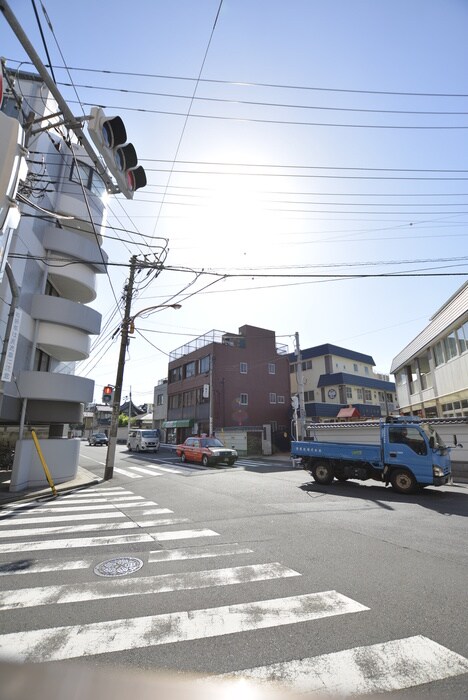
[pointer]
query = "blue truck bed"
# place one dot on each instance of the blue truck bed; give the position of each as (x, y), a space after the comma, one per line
(336, 450)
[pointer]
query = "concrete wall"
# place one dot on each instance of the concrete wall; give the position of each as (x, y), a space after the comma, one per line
(61, 457)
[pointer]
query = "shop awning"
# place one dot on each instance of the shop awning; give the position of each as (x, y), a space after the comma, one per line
(182, 423)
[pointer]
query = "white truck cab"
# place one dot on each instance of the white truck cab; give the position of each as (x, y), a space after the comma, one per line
(143, 440)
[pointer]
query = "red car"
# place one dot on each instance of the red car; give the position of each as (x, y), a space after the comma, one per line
(208, 451)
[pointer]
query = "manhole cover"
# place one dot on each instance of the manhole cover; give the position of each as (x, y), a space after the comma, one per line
(121, 566)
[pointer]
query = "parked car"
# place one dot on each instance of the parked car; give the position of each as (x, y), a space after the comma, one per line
(98, 439)
(143, 441)
(208, 451)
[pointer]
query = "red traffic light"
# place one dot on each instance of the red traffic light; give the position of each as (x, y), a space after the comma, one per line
(108, 394)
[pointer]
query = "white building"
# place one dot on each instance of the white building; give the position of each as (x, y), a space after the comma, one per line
(54, 262)
(336, 378)
(431, 372)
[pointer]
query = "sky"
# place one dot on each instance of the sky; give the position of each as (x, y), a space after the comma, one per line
(306, 165)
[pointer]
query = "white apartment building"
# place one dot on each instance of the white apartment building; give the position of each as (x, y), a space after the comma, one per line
(337, 379)
(54, 258)
(431, 372)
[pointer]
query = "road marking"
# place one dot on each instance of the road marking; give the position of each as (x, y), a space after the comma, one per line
(34, 566)
(73, 543)
(76, 641)
(30, 520)
(75, 509)
(77, 516)
(89, 527)
(105, 541)
(98, 499)
(143, 585)
(394, 665)
(125, 472)
(148, 472)
(214, 550)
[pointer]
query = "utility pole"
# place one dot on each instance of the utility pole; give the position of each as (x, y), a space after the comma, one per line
(110, 458)
(300, 389)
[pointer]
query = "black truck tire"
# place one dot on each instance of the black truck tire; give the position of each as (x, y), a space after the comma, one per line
(323, 473)
(403, 481)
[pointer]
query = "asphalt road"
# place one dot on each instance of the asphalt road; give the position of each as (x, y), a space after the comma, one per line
(250, 569)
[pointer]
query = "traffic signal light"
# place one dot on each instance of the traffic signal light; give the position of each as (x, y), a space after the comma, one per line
(110, 138)
(13, 168)
(108, 394)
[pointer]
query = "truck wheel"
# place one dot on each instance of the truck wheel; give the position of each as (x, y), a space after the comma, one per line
(323, 473)
(403, 481)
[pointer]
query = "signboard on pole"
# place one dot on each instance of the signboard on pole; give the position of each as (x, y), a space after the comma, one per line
(7, 373)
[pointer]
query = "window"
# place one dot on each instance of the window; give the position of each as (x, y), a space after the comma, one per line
(381, 396)
(439, 357)
(359, 394)
(175, 401)
(84, 175)
(366, 370)
(243, 367)
(450, 345)
(272, 397)
(309, 396)
(160, 400)
(408, 436)
(349, 392)
(175, 374)
(202, 396)
(280, 398)
(355, 367)
(271, 368)
(189, 369)
(463, 337)
(244, 399)
(41, 361)
(50, 290)
(292, 368)
(425, 371)
(189, 398)
(307, 364)
(367, 395)
(204, 365)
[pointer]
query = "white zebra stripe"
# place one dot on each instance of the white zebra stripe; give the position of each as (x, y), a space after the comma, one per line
(77, 516)
(214, 550)
(89, 527)
(104, 541)
(125, 472)
(118, 635)
(76, 509)
(394, 665)
(148, 472)
(143, 585)
(35, 566)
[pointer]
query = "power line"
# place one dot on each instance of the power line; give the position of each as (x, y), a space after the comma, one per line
(244, 83)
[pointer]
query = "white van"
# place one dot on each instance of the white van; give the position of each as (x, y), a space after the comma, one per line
(143, 441)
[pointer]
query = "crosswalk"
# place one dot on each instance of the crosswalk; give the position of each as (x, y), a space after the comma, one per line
(132, 471)
(55, 588)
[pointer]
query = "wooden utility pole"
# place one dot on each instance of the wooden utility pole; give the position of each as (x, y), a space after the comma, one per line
(110, 458)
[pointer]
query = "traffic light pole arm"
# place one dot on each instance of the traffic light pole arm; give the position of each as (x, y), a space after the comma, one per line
(70, 118)
(110, 457)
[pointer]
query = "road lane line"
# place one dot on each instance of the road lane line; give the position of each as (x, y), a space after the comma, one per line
(89, 527)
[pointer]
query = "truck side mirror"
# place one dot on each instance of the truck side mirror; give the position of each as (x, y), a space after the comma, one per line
(431, 442)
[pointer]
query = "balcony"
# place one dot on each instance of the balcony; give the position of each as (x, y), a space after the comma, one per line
(81, 243)
(53, 386)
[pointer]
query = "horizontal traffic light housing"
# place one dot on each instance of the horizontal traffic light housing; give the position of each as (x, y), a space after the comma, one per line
(109, 135)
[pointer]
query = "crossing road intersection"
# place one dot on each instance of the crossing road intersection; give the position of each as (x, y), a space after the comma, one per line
(57, 604)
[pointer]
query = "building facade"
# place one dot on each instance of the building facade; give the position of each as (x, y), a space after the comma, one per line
(336, 379)
(53, 259)
(431, 372)
(228, 381)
